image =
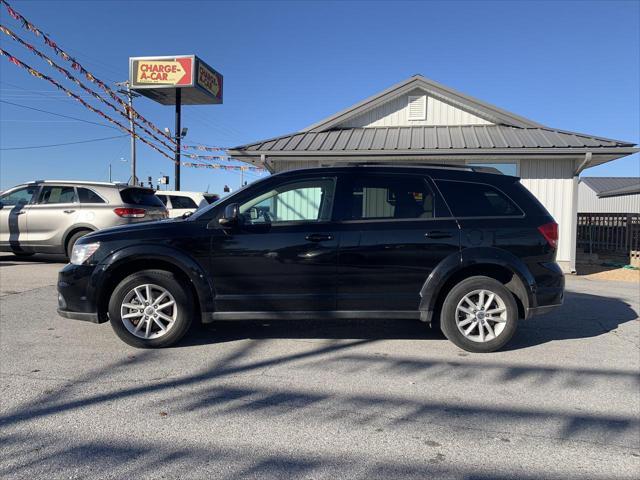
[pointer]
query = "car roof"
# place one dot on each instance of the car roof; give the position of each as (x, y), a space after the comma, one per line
(83, 182)
(462, 172)
(177, 192)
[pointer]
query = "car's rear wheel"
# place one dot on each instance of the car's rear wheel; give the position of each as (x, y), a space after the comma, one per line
(151, 309)
(479, 315)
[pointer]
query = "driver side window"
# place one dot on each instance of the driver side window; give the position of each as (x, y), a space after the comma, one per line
(300, 201)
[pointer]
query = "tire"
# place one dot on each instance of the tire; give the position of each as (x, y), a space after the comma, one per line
(502, 320)
(72, 241)
(129, 329)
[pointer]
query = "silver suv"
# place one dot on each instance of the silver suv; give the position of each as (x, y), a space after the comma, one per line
(48, 216)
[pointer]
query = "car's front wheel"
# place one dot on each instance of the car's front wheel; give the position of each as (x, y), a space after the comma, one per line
(479, 315)
(151, 309)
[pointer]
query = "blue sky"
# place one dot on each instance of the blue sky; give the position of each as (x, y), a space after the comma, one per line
(570, 65)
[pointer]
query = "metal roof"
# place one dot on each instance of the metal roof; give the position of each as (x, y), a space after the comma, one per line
(603, 186)
(618, 192)
(425, 139)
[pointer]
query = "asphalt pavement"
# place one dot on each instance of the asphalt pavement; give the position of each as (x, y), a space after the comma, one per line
(379, 399)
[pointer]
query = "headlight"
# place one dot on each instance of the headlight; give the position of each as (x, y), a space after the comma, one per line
(81, 253)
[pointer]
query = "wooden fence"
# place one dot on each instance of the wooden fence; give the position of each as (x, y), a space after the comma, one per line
(615, 233)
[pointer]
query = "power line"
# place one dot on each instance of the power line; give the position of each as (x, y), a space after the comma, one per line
(59, 114)
(63, 144)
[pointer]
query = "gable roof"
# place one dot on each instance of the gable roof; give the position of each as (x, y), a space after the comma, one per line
(441, 92)
(604, 186)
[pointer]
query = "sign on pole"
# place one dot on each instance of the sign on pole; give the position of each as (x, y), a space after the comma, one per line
(159, 77)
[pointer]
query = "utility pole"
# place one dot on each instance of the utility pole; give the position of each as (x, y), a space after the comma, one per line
(178, 132)
(132, 127)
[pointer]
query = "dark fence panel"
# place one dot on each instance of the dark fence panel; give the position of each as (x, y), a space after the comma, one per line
(616, 233)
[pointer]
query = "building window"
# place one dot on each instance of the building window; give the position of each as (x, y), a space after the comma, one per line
(504, 167)
(417, 107)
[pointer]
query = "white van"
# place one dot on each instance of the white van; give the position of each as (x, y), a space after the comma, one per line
(179, 203)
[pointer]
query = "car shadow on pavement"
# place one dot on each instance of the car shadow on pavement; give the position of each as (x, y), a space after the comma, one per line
(206, 396)
(581, 316)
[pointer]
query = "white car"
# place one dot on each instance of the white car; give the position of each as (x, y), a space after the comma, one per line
(179, 203)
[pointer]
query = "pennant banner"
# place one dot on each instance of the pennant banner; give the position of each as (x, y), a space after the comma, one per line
(73, 79)
(216, 166)
(59, 86)
(203, 148)
(78, 67)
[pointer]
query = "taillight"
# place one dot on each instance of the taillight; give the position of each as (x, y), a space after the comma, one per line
(550, 232)
(130, 212)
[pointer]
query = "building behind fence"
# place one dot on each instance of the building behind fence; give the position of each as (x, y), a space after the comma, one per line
(609, 233)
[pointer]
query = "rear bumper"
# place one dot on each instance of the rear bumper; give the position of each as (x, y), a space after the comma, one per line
(532, 312)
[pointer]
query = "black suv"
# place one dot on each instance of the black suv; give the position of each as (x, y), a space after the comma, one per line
(469, 250)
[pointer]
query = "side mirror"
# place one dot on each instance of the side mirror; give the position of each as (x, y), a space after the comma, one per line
(231, 215)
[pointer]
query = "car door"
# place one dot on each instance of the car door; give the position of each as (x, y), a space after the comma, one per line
(283, 254)
(51, 216)
(395, 230)
(13, 219)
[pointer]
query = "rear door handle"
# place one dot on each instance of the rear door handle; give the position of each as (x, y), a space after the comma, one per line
(69, 211)
(319, 237)
(21, 212)
(436, 234)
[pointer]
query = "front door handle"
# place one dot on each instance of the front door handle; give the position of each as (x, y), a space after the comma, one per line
(436, 235)
(319, 237)
(69, 211)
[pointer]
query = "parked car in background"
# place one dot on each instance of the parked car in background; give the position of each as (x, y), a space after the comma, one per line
(49, 216)
(179, 202)
(468, 251)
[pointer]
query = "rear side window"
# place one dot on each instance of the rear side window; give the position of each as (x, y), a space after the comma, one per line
(57, 194)
(182, 202)
(163, 199)
(88, 196)
(467, 199)
(140, 196)
(394, 196)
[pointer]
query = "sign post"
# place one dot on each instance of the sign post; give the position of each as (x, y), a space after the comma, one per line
(178, 136)
(174, 81)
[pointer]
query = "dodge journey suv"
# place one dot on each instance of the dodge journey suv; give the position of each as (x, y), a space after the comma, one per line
(469, 251)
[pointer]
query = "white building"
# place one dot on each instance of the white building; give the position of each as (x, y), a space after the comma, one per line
(421, 120)
(609, 195)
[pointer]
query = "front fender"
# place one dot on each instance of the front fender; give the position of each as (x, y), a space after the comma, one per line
(523, 284)
(147, 252)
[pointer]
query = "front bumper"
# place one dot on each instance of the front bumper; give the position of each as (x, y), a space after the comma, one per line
(77, 293)
(86, 317)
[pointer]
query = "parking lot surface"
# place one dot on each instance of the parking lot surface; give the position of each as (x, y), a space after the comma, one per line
(317, 399)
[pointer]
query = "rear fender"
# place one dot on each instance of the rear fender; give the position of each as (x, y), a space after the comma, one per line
(522, 282)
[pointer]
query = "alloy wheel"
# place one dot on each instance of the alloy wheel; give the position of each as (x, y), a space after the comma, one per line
(148, 311)
(481, 316)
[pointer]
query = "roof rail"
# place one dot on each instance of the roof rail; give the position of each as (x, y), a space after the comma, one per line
(469, 168)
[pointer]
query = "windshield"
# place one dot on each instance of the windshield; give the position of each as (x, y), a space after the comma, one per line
(202, 212)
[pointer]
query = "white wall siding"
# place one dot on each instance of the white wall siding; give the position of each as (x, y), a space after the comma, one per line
(551, 181)
(283, 165)
(396, 113)
(588, 202)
